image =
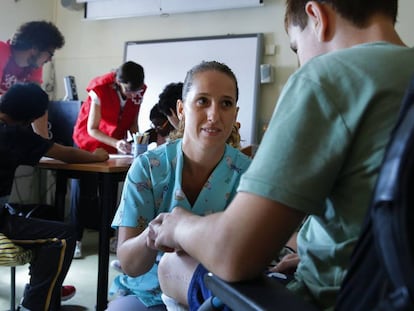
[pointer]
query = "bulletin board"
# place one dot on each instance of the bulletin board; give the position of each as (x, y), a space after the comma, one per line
(167, 61)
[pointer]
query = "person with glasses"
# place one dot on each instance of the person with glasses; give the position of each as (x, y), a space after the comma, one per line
(160, 127)
(21, 60)
(109, 112)
(23, 56)
(163, 115)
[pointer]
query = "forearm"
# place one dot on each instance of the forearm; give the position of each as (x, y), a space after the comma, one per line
(102, 137)
(134, 255)
(80, 156)
(220, 248)
(74, 155)
(235, 244)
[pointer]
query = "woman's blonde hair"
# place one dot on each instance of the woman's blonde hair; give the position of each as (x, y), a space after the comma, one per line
(234, 138)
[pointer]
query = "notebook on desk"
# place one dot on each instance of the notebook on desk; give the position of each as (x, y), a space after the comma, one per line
(62, 119)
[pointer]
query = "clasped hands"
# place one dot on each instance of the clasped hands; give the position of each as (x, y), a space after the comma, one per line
(162, 230)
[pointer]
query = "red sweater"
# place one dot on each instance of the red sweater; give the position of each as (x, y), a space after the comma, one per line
(11, 73)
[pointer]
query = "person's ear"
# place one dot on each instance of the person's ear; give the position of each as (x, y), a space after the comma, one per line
(180, 109)
(318, 18)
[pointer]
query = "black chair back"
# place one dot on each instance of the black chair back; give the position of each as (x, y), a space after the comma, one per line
(62, 118)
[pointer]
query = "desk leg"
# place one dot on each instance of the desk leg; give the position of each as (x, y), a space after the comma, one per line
(108, 190)
(60, 194)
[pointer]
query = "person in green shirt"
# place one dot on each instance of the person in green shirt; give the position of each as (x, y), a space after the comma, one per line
(319, 158)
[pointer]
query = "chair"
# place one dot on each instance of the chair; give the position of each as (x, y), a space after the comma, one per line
(381, 273)
(62, 116)
(23, 257)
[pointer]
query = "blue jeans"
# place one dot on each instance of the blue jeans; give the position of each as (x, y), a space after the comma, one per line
(84, 204)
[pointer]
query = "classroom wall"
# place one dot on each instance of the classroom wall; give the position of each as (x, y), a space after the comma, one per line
(95, 47)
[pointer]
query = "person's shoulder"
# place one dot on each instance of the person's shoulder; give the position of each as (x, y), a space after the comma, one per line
(169, 149)
(159, 158)
(24, 134)
(101, 81)
(166, 153)
(238, 156)
(163, 151)
(4, 44)
(5, 50)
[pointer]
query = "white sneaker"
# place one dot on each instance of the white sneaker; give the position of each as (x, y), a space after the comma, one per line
(116, 265)
(78, 250)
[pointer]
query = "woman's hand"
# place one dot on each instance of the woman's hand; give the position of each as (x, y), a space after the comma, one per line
(162, 229)
(123, 146)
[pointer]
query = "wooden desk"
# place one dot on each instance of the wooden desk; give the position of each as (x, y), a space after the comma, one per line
(110, 173)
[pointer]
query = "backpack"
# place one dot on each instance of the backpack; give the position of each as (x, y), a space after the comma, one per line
(381, 274)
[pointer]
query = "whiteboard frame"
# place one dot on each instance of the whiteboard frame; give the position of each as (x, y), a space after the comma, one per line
(159, 57)
(111, 9)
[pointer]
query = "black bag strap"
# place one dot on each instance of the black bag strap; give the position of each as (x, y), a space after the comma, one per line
(391, 204)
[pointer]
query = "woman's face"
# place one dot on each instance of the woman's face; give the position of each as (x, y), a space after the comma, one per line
(209, 110)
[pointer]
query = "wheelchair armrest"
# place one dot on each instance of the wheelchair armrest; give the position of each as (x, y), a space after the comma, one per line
(263, 293)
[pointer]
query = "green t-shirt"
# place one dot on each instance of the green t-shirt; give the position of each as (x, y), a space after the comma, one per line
(322, 151)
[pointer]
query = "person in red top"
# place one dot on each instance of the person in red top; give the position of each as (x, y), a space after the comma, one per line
(105, 117)
(23, 56)
(111, 109)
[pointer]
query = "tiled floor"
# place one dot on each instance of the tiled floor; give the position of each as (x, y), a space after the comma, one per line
(82, 274)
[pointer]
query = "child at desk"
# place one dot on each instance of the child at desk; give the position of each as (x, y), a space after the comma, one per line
(19, 145)
(160, 127)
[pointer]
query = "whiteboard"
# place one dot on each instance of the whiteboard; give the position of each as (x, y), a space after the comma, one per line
(167, 61)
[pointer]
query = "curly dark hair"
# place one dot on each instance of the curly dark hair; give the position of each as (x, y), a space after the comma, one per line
(169, 96)
(41, 35)
(156, 113)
